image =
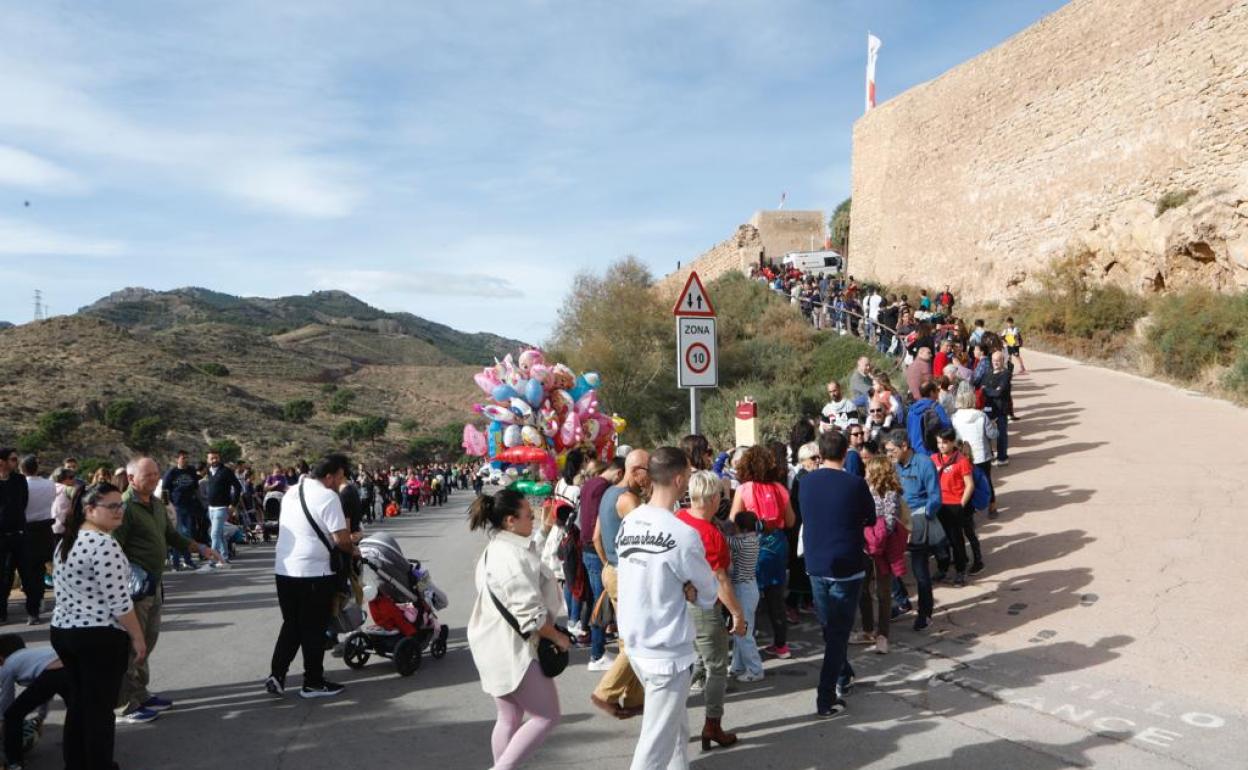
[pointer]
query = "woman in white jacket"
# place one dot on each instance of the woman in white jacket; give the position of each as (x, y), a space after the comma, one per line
(511, 570)
(976, 430)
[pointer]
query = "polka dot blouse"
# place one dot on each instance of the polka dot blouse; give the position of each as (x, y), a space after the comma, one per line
(91, 586)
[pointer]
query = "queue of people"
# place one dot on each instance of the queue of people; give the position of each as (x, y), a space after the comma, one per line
(676, 552)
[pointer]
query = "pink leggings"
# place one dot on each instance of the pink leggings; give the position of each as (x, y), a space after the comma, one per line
(536, 696)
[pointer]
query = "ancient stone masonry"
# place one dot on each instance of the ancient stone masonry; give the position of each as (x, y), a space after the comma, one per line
(1063, 140)
(769, 235)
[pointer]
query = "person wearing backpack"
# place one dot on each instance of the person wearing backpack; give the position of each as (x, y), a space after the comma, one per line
(957, 485)
(762, 492)
(926, 419)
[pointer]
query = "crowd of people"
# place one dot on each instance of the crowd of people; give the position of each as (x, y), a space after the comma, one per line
(674, 553)
(103, 544)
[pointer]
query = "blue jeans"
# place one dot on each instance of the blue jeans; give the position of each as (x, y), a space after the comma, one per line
(574, 607)
(185, 518)
(745, 658)
(217, 517)
(836, 605)
(597, 635)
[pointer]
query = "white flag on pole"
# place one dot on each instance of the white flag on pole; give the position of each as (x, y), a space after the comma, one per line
(873, 50)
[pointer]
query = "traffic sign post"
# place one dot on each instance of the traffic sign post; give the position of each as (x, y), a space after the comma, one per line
(697, 360)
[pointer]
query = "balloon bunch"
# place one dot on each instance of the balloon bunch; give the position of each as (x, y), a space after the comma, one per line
(539, 412)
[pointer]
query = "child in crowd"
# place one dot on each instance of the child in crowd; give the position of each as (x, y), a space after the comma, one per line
(746, 663)
(886, 545)
(39, 670)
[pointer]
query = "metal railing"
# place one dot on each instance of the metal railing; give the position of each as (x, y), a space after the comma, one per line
(897, 348)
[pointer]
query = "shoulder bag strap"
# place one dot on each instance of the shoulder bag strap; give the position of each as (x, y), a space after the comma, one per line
(312, 523)
(502, 610)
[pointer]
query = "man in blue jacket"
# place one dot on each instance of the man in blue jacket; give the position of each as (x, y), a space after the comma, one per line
(920, 487)
(928, 392)
(836, 505)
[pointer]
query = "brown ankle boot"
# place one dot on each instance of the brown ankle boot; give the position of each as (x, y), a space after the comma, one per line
(713, 731)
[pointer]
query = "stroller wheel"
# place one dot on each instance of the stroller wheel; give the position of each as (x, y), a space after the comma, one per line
(355, 650)
(438, 648)
(407, 656)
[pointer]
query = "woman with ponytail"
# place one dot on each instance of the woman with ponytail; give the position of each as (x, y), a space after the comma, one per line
(94, 627)
(510, 576)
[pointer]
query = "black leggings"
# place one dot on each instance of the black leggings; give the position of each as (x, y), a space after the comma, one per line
(306, 604)
(53, 681)
(773, 599)
(95, 661)
(959, 524)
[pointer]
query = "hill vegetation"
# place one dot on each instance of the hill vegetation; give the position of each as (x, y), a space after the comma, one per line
(617, 324)
(273, 380)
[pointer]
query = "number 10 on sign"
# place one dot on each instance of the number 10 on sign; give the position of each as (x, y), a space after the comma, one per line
(697, 364)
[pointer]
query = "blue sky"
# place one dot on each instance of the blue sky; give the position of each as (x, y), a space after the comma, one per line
(457, 161)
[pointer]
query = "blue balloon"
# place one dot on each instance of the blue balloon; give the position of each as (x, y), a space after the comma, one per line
(504, 392)
(580, 388)
(533, 393)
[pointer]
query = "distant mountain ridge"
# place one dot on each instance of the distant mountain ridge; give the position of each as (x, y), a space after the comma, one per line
(144, 309)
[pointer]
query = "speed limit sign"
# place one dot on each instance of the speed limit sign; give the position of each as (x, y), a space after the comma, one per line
(697, 365)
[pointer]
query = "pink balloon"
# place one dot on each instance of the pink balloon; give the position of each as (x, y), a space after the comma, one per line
(486, 381)
(474, 442)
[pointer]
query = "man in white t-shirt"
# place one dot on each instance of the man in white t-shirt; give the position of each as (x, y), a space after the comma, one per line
(662, 563)
(305, 581)
(839, 410)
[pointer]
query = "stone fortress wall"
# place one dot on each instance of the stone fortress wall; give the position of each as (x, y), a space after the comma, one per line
(769, 235)
(1061, 141)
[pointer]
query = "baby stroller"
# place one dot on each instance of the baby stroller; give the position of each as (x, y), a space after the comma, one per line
(402, 600)
(272, 512)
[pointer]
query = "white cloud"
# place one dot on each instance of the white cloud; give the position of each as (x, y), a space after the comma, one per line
(23, 170)
(417, 282)
(22, 239)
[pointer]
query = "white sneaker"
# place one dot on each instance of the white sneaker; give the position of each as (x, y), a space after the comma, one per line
(861, 637)
(602, 664)
(575, 629)
(220, 565)
(205, 567)
(881, 645)
(748, 677)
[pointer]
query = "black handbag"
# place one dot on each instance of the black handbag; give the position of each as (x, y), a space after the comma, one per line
(550, 658)
(339, 562)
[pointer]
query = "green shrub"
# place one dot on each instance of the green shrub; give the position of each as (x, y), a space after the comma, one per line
(328, 388)
(427, 449)
(55, 426)
(1236, 379)
(363, 429)
(121, 414)
(33, 441)
(1068, 306)
(228, 448)
(340, 401)
(1172, 200)
(409, 425)
(215, 369)
(145, 433)
(88, 467)
(1196, 329)
(298, 410)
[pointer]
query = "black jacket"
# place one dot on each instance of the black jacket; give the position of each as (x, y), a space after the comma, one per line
(14, 495)
(223, 487)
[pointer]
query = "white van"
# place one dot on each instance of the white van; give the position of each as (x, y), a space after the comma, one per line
(826, 262)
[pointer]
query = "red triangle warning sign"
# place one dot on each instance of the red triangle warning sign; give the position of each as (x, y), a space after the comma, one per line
(693, 300)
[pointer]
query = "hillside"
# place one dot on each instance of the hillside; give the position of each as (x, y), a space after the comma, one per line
(211, 366)
(147, 310)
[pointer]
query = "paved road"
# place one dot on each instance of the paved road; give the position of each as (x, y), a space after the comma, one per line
(1105, 631)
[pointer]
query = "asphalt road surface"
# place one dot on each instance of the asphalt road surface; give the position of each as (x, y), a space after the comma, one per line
(1106, 631)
